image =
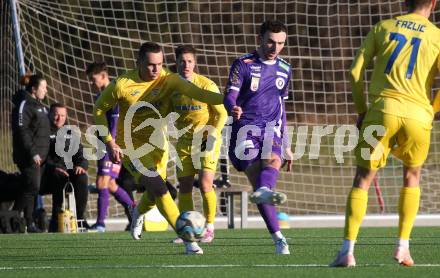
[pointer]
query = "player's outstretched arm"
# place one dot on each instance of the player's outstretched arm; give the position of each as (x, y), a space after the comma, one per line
(221, 116)
(187, 88)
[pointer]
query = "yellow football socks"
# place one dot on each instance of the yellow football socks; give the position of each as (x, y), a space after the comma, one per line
(356, 209)
(209, 205)
(408, 207)
(168, 208)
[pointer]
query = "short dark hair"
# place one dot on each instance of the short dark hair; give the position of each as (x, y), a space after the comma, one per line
(182, 49)
(56, 105)
(273, 26)
(30, 80)
(96, 67)
(414, 4)
(148, 47)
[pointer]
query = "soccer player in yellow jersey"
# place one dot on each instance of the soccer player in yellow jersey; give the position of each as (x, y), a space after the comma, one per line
(407, 59)
(199, 116)
(143, 95)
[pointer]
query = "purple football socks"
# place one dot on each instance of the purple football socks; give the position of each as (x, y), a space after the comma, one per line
(268, 178)
(103, 203)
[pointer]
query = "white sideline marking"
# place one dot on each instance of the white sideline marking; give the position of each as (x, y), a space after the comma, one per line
(5, 268)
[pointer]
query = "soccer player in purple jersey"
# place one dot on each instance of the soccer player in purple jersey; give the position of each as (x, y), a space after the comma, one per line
(258, 84)
(108, 171)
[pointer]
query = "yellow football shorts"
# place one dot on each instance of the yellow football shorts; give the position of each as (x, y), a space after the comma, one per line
(405, 138)
(208, 162)
(156, 160)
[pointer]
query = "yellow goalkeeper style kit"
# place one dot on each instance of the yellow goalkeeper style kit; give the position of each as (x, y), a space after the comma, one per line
(142, 132)
(407, 59)
(196, 116)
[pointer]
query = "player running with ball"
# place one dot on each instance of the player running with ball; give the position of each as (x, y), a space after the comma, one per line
(143, 95)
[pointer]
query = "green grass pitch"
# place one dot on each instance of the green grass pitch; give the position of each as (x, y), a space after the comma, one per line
(234, 253)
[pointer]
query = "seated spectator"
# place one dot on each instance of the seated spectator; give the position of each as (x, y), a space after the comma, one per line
(57, 174)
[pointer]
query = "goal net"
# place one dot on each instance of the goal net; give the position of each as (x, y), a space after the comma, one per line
(60, 37)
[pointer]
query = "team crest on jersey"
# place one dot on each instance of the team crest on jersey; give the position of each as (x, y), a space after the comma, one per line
(280, 82)
(255, 82)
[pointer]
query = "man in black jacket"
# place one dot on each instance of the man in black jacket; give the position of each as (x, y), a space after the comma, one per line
(30, 132)
(57, 174)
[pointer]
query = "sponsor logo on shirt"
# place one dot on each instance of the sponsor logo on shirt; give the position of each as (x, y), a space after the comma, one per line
(256, 68)
(188, 107)
(282, 74)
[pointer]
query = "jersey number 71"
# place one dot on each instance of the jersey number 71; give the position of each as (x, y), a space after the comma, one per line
(401, 41)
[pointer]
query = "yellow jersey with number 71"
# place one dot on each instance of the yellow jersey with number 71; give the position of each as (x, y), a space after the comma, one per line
(407, 51)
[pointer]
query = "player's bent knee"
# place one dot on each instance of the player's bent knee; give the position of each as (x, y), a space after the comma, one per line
(207, 181)
(101, 182)
(274, 162)
(411, 176)
(364, 177)
(112, 186)
(206, 186)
